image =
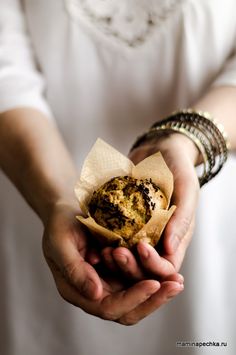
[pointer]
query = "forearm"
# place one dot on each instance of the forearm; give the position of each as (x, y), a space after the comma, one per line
(33, 156)
(221, 104)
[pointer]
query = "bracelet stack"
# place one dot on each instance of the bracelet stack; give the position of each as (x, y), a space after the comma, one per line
(208, 136)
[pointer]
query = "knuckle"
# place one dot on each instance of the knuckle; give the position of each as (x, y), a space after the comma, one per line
(129, 320)
(69, 271)
(108, 312)
(184, 225)
(108, 315)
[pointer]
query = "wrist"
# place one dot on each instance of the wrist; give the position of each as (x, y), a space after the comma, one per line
(189, 147)
(59, 196)
(44, 189)
(61, 203)
(177, 141)
(206, 134)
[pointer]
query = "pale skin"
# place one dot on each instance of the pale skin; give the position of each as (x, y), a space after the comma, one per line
(134, 286)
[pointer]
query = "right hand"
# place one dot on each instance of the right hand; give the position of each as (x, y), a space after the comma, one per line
(180, 155)
(72, 260)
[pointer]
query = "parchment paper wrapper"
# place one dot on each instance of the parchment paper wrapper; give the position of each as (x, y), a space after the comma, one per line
(102, 164)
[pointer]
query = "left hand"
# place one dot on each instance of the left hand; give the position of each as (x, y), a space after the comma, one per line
(69, 251)
(180, 155)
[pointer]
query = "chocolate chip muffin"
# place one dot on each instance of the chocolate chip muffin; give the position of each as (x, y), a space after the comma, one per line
(125, 204)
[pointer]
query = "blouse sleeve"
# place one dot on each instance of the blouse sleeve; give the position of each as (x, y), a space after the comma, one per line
(21, 84)
(227, 77)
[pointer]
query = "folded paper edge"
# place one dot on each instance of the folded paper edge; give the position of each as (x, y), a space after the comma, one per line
(102, 233)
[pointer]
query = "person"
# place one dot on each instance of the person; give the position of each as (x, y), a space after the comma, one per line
(72, 71)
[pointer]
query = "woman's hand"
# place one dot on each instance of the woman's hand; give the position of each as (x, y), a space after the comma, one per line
(29, 149)
(70, 255)
(181, 156)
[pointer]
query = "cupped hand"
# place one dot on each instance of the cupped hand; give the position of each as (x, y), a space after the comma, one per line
(74, 262)
(181, 156)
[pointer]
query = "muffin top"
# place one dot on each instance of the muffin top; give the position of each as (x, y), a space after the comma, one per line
(125, 204)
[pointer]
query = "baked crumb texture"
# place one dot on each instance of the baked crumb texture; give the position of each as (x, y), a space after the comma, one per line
(125, 204)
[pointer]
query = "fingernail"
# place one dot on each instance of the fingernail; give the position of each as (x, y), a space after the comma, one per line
(155, 288)
(181, 287)
(175, 291)
(121, 259)
(174, 242)
(144, 253)
(181, 281)
(108, 258)
(95, 260)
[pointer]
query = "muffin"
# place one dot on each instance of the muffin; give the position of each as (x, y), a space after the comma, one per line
(125, 204)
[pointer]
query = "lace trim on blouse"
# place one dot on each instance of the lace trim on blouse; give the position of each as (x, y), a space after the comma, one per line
(129, 21)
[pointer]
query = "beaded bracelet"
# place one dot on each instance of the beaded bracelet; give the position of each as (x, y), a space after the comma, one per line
(208, 136)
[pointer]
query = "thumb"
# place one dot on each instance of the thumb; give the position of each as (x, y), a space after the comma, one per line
(140, 153)
(185, 197)
(77, 271)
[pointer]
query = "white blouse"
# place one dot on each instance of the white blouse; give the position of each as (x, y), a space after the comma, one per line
(110, 68)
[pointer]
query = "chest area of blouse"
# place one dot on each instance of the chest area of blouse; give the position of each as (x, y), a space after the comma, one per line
(131, 22)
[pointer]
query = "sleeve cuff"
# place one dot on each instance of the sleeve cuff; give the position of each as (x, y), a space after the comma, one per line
(29, 100)
(227, 77)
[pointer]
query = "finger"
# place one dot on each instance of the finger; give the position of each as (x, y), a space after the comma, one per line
(67, 291)
(176, 259)
(112, 284)
(128, 264)
(93, 257)
(168, 290)
(108, 259)
(118, 304)
(110, 306)
(152, 262)
(185, 198)
(176, 277)
(74, 268)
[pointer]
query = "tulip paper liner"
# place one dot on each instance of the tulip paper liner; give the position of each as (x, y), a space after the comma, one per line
(102, 164)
